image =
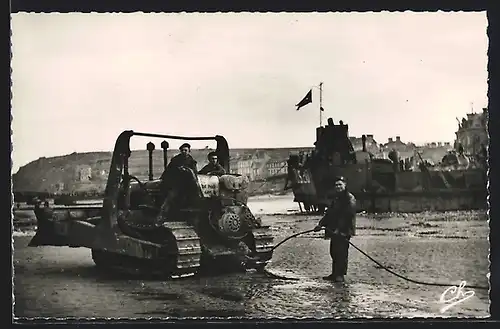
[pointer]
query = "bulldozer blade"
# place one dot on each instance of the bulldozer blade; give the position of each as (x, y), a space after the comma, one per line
(48, 232)
(36, 241)
(105, 238)
(64, 227)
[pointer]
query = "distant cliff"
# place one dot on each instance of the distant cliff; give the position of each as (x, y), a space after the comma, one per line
(88, 172)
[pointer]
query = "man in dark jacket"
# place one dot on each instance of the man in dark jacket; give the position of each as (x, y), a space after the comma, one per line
(339, 222)
(213, 167)
(171, 181)
(183, 159)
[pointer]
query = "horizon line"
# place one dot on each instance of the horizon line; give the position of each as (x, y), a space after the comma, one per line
(201, 149)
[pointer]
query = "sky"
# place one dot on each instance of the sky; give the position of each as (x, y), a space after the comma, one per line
(80, 79)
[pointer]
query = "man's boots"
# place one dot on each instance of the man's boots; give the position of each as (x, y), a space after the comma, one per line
(331, 277)
(339, 279)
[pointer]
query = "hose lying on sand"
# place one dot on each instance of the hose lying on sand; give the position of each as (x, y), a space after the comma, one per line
(373, 260)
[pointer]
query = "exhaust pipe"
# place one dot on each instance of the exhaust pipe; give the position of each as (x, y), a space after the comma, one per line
(150, 147)
(164, 146)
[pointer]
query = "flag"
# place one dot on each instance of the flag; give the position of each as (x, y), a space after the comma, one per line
(306, 100)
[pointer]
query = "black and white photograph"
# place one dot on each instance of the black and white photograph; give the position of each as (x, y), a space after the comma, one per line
(250, 165)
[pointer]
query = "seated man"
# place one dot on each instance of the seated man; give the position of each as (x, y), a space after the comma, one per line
(183, 159)
(213, 167)
(170, 178)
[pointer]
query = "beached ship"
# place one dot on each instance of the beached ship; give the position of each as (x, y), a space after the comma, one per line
(458, 182)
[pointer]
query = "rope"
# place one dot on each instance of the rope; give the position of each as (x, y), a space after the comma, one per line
(375, 261)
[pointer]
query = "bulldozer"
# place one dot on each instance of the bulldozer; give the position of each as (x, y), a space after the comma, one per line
(174, 227)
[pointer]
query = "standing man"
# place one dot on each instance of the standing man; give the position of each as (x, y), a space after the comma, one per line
(213, 167)
(339, 222)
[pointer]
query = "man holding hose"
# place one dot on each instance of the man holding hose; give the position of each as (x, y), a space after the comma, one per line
(339, 223)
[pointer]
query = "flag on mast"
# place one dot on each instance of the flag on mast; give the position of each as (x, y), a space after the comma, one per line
(306, 100)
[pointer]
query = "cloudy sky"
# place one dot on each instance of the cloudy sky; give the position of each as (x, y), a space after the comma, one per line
(80, 79)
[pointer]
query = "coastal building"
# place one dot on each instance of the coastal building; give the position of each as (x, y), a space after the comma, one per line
(252, 165)
(472, 132)
(259, 165)
(83, 173)
(57, 187)
(405, 150)
(371, 144)
(434, 152)
(242, 165)
(276, 167)
(397, 144)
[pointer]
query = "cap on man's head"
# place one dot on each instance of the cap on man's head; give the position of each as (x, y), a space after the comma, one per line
(212, 154)
(340, 179)
(185, 145)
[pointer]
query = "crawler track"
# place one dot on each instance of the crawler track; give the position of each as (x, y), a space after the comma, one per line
(264, 243)
(188, 249)
(179, 257)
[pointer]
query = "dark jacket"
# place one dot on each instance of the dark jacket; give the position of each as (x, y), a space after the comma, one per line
(176, 162)
(341, 215)
(170, 177)
(180, 160)
(214, 169)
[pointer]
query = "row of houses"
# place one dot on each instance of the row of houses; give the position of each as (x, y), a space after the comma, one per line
(471, 135)
(259, 165)
(262, 164)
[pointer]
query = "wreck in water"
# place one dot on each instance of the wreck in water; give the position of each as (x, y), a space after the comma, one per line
(380, 184)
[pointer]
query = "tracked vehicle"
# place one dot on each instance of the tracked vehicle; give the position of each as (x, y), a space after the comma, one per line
(174, 226)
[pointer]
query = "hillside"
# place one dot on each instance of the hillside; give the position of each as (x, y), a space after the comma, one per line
(87, 172)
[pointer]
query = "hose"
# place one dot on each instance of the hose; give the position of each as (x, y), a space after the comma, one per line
(373, 260)
(291, 237)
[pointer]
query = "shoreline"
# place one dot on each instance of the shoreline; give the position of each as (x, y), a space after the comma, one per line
(282, 206)
(403, 246)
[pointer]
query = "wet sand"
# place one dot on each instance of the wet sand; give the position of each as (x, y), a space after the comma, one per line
(449, 248)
